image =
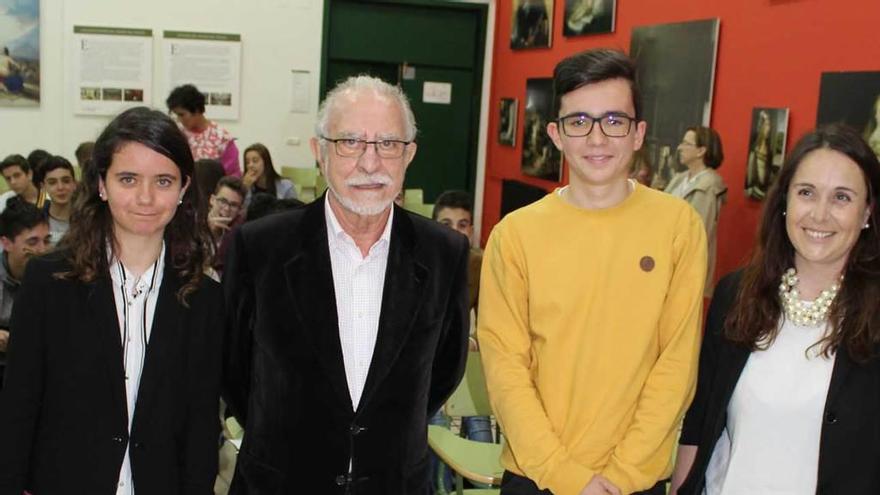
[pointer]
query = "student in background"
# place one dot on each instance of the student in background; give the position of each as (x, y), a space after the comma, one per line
(59, 184)
(24, 233)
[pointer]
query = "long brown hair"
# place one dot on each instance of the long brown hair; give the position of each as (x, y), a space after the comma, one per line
(855, 322)
(269, 171)
(91, 223)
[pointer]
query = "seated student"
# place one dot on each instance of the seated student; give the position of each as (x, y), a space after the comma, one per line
(59, 184)
(19, 177)
(455, 210)
(24, 232)
(224, 213)
(260, 175)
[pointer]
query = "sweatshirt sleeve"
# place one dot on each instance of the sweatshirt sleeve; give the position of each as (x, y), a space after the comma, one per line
(635, 463)
(505, 346)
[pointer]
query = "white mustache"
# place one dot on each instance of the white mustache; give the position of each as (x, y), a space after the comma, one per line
(369, 180)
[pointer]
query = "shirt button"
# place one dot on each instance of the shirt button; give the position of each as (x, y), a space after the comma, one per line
(121, 483)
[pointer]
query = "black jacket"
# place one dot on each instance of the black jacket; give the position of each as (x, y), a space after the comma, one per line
(284, 374)
(849, 451)
(63, 411)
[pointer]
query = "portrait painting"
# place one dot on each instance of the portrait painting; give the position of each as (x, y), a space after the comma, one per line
(767, 138)
(540, 158)
(531, 24)
(676, 73)
(852, 98)
(19, 53)
(589, 17)
(507, 121)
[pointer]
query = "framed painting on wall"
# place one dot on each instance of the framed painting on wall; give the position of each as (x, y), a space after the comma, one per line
(589, 17)
(531, 24)
(852, 98)
(767, 139)
(19, 53)
(540, 158)
(676, 73)
(507, 122)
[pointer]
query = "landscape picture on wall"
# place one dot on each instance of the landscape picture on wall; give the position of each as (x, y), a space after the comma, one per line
(540, 158)
(854, 99)
(676, 74)
(507, 122)
(531, 24)
(589, 17)
(767, 138)
(19, 53)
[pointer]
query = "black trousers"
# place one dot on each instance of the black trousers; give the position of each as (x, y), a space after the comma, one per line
(514, 484)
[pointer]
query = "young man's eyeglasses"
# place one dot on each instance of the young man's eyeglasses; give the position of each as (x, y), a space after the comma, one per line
(225, 203)
(581, 124)
(354, 148)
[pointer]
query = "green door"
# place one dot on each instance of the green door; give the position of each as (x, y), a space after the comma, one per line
(410, 43)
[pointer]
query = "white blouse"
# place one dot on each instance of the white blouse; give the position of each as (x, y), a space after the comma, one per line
(774, 420)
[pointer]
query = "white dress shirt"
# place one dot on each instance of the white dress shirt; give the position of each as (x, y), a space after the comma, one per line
(135, 299)
(774, 420)
(358, 282)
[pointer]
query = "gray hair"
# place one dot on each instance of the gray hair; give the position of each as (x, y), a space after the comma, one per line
(360, 84)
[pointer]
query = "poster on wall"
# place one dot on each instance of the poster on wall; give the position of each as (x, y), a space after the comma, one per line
(507, 122)
(209, 61)
(767, 139)
(112, 69)
(589, 17)
(532, 24)
(852, 98)
(676, 74)
(19, 53)
(540, 158)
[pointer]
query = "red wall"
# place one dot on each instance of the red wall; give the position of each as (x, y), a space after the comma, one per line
(770, 53)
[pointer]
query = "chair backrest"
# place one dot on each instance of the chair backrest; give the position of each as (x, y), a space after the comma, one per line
(471, 397)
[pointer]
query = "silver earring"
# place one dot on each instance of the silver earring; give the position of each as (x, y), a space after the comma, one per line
(783, 213)
(180, 201)
(866, 226)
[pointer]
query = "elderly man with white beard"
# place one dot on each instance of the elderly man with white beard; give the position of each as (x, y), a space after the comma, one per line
(348, 318)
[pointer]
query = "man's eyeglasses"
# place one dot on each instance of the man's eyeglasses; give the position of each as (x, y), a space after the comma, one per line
(581, 124)
(228, 204)
(354, 148)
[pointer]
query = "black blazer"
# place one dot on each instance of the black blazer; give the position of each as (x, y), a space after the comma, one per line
(849, 450)
(63, 411)
(284, 375)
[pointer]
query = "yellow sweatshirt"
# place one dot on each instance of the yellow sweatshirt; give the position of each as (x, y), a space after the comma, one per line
(589, 332)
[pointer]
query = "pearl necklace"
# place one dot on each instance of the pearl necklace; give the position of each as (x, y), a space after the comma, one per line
(804, 313)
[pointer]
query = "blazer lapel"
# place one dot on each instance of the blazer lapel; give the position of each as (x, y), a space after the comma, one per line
(842, 366)
(102, 304)
(402, 298)
(166, 322)
(310, 284)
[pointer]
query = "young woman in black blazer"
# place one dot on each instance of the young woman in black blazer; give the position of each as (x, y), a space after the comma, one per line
(112, 381)
(788, 394)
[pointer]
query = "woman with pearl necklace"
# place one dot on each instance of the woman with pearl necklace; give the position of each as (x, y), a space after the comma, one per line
(788, 393)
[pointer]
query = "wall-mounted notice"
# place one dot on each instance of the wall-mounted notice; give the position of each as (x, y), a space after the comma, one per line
(211, 62)
(112, 68)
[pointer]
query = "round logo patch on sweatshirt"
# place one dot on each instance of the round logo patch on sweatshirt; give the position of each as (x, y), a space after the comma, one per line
(646, 263)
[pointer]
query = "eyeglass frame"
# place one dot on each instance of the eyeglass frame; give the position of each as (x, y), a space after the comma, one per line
(226, 203)
(560, 122)
(365, 142)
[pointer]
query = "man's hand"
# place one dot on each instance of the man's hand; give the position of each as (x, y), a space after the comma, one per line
(4, 340)
(219, 223)
(600, 485)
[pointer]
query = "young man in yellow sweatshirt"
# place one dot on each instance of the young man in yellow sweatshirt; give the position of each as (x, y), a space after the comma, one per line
(590, 305)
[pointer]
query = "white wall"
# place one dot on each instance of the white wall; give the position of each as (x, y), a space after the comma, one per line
(276, 36)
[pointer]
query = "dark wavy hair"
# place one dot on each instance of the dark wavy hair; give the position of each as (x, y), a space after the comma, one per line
(269, 171)
(187, 97)
(855, 321)
(91, 225)
(595, 66)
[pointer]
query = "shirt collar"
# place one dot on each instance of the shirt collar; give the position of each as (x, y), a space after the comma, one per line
(338, 235)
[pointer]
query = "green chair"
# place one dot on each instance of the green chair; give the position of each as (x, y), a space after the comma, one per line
(412, 198)
(475, 461)
(305, 178)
